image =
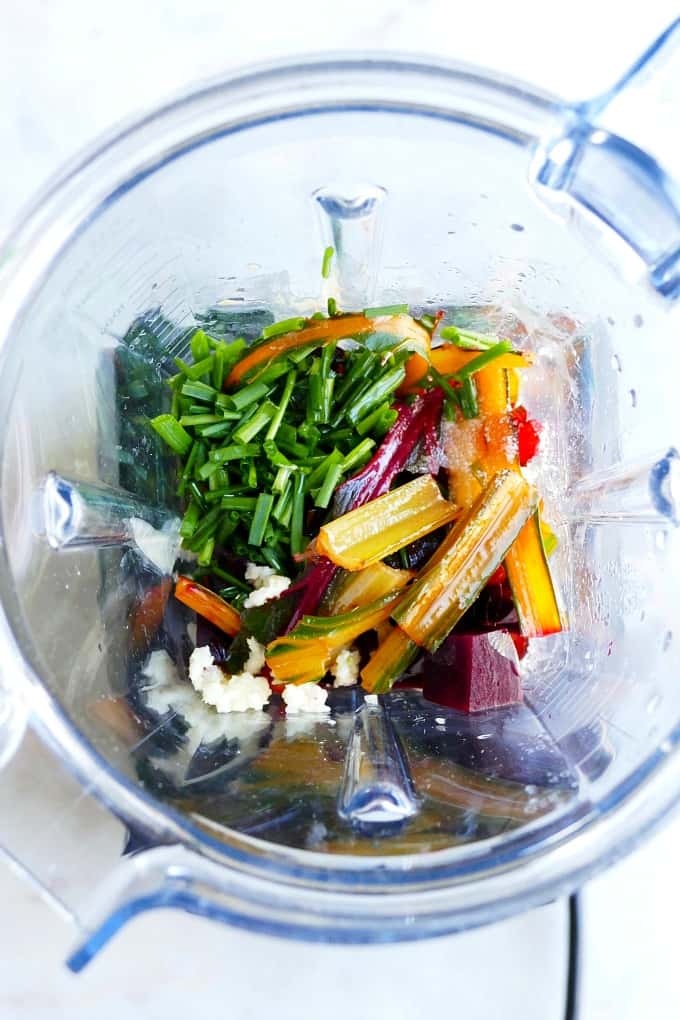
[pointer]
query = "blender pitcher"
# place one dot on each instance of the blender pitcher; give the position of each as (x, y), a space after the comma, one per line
(438, 185)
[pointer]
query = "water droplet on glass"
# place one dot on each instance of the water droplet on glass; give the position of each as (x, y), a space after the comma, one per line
(667, 638)
(616, 363)
(638, 320)
(653, 704)
(612, 322)
(633, 398)
(517, 226)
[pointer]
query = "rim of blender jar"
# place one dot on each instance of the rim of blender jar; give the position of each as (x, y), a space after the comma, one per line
(537, 861)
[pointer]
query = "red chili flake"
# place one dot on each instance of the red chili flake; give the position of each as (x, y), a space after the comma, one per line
(528, 434)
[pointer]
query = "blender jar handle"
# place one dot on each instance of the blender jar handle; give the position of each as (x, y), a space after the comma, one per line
(617, 157)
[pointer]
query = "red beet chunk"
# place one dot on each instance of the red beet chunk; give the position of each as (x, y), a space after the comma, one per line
(473, 672)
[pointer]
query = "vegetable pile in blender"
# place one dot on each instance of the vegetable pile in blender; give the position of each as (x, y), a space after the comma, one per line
(356, 511)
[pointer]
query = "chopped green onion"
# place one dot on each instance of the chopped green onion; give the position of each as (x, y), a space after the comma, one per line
(172, 433)
(297, 516)
(199, 390)
(211, 431)
(376, 393)
(200, 419)
(199, 368)
(284, 506)
(238, 502)
(484, 359)
(271, 372)
(206, 553)
(450, 395)
(235, 582)
(282, 479)
(358, 455)
(239, 451)
(368, 423)
(283, 404)
(326, 262)
(314, 393)
(374, 313)
(197, 494)
(250, 475)
(332, 307)
(468, 398)
(244, 433)
(228, 526)
(232, 353)
(248, 395)
(218, 367)
(263, 509)
(218, 480)
(273, 559)
(200, 347)
(190, 520)
(325, 493)
(319, 473)
(467, 341)
(215, 496)
(298, 354)
(285, 326)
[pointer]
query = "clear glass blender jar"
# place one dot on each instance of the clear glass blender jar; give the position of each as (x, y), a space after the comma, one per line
(440, 186)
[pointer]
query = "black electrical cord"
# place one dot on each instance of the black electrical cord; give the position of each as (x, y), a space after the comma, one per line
(571, 1007)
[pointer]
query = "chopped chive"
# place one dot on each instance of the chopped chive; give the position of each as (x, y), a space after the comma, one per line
(217, 374)
(207, 469)
(310, 433)
(275, 423)
(248, 395)
(326, 262)
(270, 373)
(238, 502)
(273, 559)
(226, 490)
(325, 493)
(244, 433)
(466, 340)
(450, 394)
(184, 369)
(358, 455)
(284, 506)
(287, 433)
(190, 465)
(484, 359)
(206, 553)
(338, 435)
(282, 479)
(239, 451)
(300, 353)
(263, 509)
(361, 369)
(374, 313)
(172, 433)
(200, 419)
(251, 475)
(212, 431)
(332, 307)
(219, 480)
(320, 471)
(197, 494)
(296, 520)
(294, 449)
(314, 393)
(199, 368)
(175, 382)
(206, 529)
(368, 423)
(235, 582)
(199, 390)
(228, 526)
(376, 393)
(190, 520)
(233, 352)
(285, 326)
(200, 348)
(318, 316)
(468, 398)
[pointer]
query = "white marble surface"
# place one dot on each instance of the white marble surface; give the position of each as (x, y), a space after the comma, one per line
(68, 70)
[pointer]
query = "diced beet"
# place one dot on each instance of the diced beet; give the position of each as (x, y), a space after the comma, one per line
(473, 672)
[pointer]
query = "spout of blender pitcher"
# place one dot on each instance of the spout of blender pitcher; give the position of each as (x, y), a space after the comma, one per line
(617, 158)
